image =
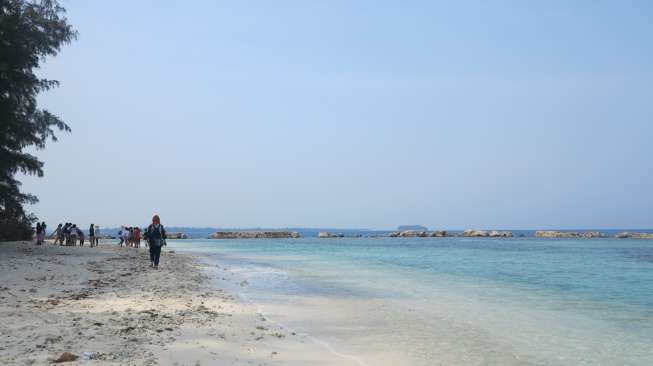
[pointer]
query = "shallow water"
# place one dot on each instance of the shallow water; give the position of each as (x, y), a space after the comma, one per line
(454, 301)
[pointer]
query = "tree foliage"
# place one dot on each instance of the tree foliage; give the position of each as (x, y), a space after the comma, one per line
(30, 31)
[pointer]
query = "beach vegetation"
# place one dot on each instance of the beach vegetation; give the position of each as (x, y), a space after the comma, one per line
(30, 32)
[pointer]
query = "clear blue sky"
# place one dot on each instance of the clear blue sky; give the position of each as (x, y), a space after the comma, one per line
(484, 114)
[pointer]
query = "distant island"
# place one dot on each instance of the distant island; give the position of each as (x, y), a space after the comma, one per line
(412, 228)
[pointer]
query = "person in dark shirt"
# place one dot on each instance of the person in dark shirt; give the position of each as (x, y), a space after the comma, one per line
(38, 233)
(91, 235)
(66, 233)
(156, 236)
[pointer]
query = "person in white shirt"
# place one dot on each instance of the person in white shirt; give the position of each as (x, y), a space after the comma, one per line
(97, 235)
(125, 236)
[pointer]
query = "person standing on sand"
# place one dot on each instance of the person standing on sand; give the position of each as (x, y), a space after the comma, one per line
(156, 236)
(120, 237)
(125, 236)
(91, 235)
(38, 233)
(97, 235)
(147, 241)
(42, 238)
(80, 233)
(66, 234)
(137, 237)
(130, 230)
(73, 235)
(58, 235)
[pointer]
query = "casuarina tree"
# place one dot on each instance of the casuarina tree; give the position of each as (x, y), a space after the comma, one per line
(30, 31)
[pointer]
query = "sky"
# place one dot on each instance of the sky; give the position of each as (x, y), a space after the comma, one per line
(353, 114)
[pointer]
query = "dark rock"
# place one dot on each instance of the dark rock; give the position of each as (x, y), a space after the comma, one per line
(66, 357)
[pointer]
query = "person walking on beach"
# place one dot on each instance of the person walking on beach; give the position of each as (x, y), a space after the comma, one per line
(156, 235)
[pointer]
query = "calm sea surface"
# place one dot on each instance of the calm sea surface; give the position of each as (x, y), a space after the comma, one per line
(452, 301)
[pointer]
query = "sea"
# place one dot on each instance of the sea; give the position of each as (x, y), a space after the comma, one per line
(449, 301)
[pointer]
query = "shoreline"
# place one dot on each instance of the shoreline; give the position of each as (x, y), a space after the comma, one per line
(106, 305)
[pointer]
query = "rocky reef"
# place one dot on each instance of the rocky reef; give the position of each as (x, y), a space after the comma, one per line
(439, 234)
(628, 235)
(255, 235)
(419, 234)
(592, 235)
(176, 236)
(409, 234)
(556, 234)
(570, 234)
(324, 235)
(487, 234)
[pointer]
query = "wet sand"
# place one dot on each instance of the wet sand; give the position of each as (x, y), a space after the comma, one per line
(107, 307)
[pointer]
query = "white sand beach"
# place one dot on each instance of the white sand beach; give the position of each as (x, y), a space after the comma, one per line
(105, 306)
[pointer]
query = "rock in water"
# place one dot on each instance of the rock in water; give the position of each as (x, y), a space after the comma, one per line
(500, 234)
(410, 234)
(487, 234)
(66, 357)
(555, 234)
(476, 233)
(627, 235)
(324, 234)
(176, 236)
(593, 235)
(566, 234)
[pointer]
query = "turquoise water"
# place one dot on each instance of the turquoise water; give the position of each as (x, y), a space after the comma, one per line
(455, 301)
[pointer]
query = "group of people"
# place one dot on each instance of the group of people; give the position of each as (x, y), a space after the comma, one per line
(40, 232)
(154, 236)
(131, 236)
(69, 234)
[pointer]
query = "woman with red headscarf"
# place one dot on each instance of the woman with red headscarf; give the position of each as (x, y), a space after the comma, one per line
(156, 236)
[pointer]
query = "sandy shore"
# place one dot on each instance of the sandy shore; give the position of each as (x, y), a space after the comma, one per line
(106, 306)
